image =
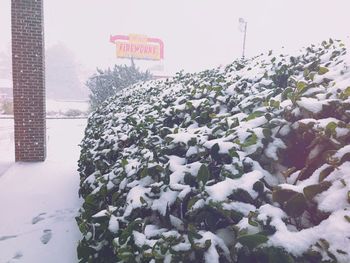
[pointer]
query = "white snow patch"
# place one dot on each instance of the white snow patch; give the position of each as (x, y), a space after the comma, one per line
(221, 190)
(311, 104)
(45, 193)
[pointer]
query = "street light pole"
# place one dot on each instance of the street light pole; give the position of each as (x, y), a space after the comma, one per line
(243, 28)
(245, 34)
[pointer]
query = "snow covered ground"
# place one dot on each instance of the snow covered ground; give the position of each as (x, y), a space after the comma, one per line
(38, 201)
(7, 155)
(61, 106)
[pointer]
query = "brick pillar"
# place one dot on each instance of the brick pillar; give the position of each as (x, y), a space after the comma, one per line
(28, 79)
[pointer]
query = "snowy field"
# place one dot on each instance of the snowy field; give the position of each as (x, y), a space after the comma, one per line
(59, 108)
(64, 106)
(39, 201)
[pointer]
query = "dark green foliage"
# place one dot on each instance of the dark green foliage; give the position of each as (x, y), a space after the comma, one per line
(106, 83)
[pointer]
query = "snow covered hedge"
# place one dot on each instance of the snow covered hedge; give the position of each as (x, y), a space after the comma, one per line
(247, 163)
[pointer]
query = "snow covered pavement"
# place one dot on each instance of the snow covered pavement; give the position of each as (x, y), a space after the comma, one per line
(7, 154)
(39, 201)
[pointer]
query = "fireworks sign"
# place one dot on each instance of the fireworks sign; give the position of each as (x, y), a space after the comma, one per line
(138, 47)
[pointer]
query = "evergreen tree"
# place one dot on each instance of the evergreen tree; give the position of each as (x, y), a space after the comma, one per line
(106, 83)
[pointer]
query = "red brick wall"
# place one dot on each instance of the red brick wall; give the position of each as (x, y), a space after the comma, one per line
(28, 79)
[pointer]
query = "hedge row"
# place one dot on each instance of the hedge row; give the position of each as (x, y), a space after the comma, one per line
(244, 163)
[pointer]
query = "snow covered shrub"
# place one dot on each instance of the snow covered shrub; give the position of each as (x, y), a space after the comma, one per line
(247, 163)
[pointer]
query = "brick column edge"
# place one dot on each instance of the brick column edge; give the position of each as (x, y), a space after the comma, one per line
(28, 65)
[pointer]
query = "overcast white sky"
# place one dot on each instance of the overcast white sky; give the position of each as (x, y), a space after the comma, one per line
(198, 34)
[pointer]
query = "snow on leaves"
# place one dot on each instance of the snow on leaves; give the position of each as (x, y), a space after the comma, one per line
(244, 162)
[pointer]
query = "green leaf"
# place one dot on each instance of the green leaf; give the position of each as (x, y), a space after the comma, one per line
(277, 255)
(282, 195)
(214, 151)
(233, 153)
(142, 200)
(135, 225)
(251, 140)
(287, 93)
(252, 241)
(115, 197)
(132, 120)
(241, 195)
(192, 142)
(254, 115)
(193, 234)
(322, 70)
(84, 252)
(207, 244)
(312, 75)
(203, 174)
(324, 173)
(124, 162)
(250, 219)
(301, 86)
(189, 105)
(192, 201)
(275, 104)
(312, 190)
(296, 205)
(267, 133)
(347, 218)
(330, 128)
(210, 217)
(189, 179)
(347, 91)
(83, 228)
(144, 172)
(313, 66)
(258, 186)
(345, 94)
(341, 252)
